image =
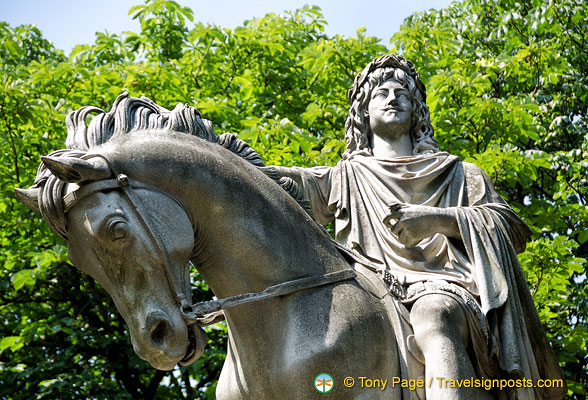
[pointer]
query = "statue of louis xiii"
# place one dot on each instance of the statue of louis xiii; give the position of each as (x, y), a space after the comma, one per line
(446, 242)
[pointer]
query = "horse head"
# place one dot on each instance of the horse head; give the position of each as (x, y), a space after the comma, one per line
(131, 237)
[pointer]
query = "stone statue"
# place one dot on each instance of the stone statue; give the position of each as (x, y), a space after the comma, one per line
(142, 191)
(445, 239)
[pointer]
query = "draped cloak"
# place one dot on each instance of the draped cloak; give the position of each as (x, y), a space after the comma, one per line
(355, 195)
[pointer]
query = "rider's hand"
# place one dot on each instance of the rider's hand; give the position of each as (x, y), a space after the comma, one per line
(415, 222)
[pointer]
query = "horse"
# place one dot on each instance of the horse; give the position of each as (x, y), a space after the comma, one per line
(138, 201)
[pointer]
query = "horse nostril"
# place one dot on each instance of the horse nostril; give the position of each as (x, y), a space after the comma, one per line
(159, 333)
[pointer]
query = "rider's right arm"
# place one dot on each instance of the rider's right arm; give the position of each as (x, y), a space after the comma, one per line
(316, 185)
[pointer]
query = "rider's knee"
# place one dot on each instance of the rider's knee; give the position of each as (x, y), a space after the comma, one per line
(437, 316)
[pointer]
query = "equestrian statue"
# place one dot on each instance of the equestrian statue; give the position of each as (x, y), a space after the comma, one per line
(421, 287)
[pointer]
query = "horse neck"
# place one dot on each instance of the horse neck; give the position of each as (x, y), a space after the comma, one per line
(249, 233)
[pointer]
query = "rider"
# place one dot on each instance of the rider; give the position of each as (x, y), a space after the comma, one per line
(438, 228)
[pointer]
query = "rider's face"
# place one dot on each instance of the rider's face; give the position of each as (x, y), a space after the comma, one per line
(390, 110)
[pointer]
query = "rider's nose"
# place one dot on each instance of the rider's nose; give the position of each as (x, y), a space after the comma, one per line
(392, 99)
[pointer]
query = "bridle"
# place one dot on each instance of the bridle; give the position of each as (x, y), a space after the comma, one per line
(123, 185)
(206, 312)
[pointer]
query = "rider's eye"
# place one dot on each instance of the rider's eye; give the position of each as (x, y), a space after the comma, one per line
(118, 229)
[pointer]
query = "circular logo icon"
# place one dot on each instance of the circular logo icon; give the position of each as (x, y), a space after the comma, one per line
(323, 383)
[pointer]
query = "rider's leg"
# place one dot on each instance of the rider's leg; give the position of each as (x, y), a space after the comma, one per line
(441, 331)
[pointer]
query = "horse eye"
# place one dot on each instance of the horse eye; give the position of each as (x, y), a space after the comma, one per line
(118, 229)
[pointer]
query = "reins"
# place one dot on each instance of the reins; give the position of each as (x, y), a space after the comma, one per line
(205, 312)
(205, 308)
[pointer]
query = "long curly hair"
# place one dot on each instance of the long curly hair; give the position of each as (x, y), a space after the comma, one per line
(358, 134)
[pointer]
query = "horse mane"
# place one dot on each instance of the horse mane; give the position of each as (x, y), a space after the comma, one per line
(132, 114)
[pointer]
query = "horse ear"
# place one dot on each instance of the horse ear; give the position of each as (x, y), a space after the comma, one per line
(28, 197)
(77, 170)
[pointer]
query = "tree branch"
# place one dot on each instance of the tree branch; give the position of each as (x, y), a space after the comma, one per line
(12, 145)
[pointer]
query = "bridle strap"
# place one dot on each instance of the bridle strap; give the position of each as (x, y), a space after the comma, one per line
(72, 198)
(158, 243)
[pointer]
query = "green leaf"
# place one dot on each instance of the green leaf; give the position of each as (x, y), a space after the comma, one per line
(9, 264)
(48, 382)
(14, 48)
(23, 278)
(10, 342)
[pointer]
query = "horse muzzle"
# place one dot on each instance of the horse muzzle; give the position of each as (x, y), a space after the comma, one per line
(162, 341)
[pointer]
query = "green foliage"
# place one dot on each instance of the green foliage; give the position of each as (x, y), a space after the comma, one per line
(507, 87)
(163, 29)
